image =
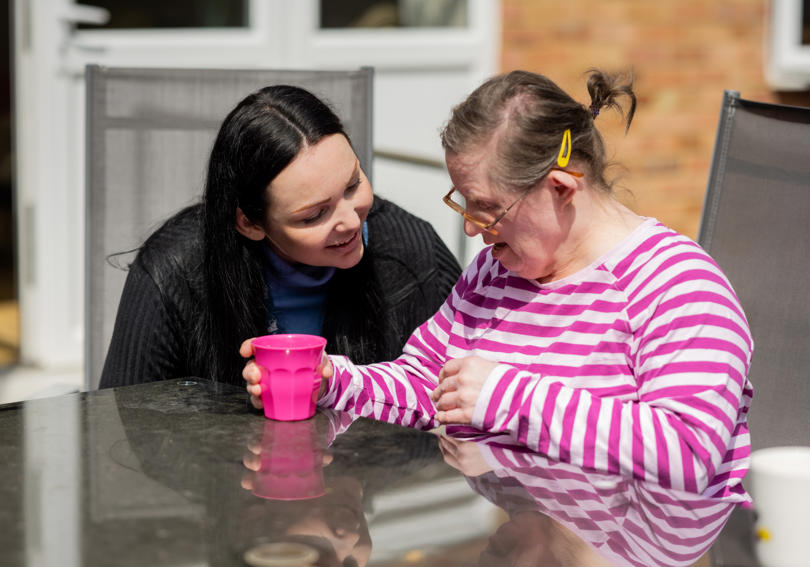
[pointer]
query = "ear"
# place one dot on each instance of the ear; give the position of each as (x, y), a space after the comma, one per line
(248, 228)
(564, 186)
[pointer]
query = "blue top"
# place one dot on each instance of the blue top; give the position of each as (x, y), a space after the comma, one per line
(297, 298)
(298, 295)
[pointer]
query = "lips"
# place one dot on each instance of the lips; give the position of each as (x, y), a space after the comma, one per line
(345, 244)
(498, 248)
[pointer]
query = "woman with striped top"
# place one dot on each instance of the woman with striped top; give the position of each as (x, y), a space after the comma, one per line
(586, 332)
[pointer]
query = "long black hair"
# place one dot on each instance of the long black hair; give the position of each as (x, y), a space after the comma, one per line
(257, 140)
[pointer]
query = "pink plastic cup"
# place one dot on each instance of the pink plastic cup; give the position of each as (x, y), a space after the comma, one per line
(290, 379)
(292, 462)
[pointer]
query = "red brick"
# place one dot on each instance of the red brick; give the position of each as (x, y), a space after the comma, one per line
(684, 54)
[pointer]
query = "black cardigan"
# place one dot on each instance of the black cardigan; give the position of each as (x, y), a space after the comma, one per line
(164, 297)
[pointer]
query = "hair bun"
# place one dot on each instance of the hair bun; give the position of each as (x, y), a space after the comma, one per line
(605, 88)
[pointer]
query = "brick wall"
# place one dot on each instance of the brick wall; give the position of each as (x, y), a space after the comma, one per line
(683, 53)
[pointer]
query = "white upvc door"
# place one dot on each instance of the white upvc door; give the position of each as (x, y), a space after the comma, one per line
(420, 74)
(50, 54)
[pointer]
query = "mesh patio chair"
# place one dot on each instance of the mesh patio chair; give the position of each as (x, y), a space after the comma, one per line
(149, 134)
(756, 225)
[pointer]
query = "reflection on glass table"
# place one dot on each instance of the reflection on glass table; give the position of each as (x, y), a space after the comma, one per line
(184, 472)
(560, 514)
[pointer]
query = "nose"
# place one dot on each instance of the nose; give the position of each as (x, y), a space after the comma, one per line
(471, 229)
(348, 216)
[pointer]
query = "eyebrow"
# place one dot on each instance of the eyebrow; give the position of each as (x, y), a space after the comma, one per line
(481, 203)
(305, 207)
(355, 174)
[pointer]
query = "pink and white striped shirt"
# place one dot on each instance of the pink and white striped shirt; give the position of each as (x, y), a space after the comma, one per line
(638, 524)
(636, 365)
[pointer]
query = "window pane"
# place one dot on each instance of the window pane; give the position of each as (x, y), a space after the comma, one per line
(393, 13)
(129, 14)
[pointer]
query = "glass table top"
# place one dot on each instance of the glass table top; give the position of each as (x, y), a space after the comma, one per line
(184, 472)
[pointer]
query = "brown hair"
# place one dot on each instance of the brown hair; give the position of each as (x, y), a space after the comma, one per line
(529, 114)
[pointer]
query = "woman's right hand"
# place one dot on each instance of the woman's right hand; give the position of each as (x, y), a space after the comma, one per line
(253, 375)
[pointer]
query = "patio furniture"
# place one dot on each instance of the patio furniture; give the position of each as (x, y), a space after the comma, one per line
(756, 225)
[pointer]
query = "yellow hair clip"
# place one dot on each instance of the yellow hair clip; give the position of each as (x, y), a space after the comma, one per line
(565, 149)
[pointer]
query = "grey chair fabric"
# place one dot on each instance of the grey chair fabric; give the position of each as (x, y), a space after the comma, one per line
(149, 135)
(756, 224)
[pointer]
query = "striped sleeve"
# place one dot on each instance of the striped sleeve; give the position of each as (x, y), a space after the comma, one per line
(684, 427)
(400, 390)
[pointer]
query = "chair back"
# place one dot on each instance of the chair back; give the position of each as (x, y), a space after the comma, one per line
(756, 225)
(149, 136)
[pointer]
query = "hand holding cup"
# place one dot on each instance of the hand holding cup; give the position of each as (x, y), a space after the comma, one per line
(286, 374)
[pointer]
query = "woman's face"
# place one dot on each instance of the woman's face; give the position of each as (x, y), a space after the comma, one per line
(317, 206)
(531, 239)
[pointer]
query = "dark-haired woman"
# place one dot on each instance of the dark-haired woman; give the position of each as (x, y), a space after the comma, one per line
(586, 332)
(289, 238)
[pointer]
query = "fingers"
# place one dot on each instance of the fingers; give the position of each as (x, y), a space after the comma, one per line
(253, 377)
(326, 367)
(447, 401)
(246, 348)
(449, 447)
(445, 386)
(255, 447)
(449, 444)
(326, 370)
(254, 390)
(457, 415)
(247, 481)
(450, 368)
(252, 373)
(447, 378)
(252, 462)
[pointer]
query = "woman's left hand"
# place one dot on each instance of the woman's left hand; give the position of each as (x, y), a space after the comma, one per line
(460, 383)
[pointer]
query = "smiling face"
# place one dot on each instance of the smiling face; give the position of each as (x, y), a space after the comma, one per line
(317, 206)
(532, 239)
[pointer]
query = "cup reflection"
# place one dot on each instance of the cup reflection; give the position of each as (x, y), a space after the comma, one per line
(291, 462)
(299, 504)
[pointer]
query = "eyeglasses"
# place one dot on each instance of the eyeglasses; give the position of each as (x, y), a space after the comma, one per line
(562, 161)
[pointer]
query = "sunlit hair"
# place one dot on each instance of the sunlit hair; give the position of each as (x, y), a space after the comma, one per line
(523, 117)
